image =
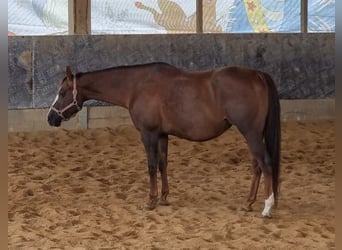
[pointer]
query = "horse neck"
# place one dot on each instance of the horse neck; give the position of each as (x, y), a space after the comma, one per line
(112, 86)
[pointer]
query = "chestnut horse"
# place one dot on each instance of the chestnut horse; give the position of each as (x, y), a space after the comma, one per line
(163, 100)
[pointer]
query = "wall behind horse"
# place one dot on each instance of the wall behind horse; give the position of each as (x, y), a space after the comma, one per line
(302, 65)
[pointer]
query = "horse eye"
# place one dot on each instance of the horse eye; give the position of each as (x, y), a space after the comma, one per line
(62, 94)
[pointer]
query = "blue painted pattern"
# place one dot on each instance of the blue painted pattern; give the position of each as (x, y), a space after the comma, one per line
(43, 17)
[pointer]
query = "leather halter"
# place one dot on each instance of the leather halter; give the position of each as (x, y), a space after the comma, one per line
(73, 104)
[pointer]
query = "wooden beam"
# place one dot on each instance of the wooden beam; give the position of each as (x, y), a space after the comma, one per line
(304, 16)
(199, 16)
(79, 17)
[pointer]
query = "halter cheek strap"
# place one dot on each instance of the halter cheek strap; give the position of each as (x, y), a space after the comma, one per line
(73, 104)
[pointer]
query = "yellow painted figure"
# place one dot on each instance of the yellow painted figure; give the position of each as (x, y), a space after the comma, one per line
(256, 16)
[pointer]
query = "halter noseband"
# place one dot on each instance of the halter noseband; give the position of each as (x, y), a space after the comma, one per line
(74, 103)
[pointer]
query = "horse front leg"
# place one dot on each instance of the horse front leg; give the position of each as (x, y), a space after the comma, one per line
(150, 141)
(163, 148)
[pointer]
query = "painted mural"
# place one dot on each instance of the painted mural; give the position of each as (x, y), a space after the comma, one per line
(41, 17)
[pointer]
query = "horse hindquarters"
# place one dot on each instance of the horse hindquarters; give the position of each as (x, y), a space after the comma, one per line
(262, 134)
(271, 138)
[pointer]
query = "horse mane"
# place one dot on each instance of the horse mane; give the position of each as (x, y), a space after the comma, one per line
(79, 74)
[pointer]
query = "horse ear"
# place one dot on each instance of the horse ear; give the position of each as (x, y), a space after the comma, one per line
(68, 73)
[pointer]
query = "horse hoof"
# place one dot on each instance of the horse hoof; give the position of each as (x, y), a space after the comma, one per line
(247, 209)
(266, 216)
(164, 203)
(149, 207)
(150, 204)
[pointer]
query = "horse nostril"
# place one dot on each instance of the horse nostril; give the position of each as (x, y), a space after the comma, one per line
(49, 117)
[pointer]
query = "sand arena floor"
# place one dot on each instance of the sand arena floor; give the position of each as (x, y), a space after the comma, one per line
(83, 189)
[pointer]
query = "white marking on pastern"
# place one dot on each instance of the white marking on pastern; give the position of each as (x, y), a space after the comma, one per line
(268, 205)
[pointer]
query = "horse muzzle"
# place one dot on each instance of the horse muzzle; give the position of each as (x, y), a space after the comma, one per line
(54, 119)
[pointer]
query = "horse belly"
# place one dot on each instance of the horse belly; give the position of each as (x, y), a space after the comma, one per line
(193, 113)
(196, 130)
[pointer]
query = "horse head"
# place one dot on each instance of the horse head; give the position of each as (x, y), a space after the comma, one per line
(67, 102)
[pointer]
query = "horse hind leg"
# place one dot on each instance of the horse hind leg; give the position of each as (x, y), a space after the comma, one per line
(254, 186)
(261, 164)
(269, 197)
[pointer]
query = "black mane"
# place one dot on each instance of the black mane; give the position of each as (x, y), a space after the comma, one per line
(79, 74)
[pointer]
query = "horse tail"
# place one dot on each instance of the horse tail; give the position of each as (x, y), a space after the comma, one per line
(272, 133)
